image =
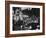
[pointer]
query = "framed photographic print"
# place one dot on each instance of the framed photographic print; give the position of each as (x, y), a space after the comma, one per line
(24, 19)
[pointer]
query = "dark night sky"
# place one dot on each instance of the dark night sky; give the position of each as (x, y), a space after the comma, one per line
(33, 11)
